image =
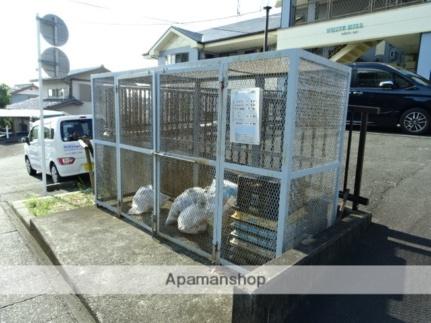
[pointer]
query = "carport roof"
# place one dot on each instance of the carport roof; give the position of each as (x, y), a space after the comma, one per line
(28, 113)
(33, 103)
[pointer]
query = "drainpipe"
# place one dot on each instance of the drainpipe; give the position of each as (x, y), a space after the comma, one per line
(265, 44)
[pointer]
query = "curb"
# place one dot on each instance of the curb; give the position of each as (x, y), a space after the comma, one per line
(21, 211)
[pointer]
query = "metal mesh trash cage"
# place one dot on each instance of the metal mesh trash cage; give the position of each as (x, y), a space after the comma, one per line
(236, 159)
(106, 189)
(135, 96)
(104, 114)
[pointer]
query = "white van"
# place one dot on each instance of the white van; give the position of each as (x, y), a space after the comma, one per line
(64, 155)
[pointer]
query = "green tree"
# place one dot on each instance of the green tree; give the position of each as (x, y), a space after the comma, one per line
(4, 95)
(4, 101)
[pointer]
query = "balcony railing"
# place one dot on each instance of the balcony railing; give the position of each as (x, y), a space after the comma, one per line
(309, 11)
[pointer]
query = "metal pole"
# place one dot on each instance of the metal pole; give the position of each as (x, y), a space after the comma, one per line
(41, 128)
(349, 146)
(360, 160)
(265, 44)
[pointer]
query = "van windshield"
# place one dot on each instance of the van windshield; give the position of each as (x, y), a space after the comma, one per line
(72, 130)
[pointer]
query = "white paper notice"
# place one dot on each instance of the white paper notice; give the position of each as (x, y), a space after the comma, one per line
(245, 115)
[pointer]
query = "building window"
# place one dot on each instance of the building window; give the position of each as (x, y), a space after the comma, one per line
(177, 58)
(85, 92)
(170, 59)
(181, 57)
(56, 93)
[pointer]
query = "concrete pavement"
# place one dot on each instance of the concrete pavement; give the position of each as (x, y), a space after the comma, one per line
(17, 249)
(94, 237)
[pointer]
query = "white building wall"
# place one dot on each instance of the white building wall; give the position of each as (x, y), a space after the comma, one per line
(424, 60)
(413, 19)
(54, 84)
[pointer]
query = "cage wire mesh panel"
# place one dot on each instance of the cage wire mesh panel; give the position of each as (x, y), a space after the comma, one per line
(106, 182)
(137, 200)
(104, 109)
(188, 128)
(136, 111)
(187, 203)
(271, 76)
(322, 95)
(311, 206)
(249, 221)
(188, 113)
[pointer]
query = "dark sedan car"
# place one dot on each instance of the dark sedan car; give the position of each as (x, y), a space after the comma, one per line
(404, 97)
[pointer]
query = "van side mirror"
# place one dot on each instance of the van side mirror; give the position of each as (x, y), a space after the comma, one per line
(25, 140)
(386, 84)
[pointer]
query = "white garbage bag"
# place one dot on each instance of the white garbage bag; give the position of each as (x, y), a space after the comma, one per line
(194, 218)
(188, 197)
(229, 189)
(143, 200)
(227, 205)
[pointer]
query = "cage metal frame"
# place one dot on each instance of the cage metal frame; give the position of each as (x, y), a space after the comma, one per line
(285, 175)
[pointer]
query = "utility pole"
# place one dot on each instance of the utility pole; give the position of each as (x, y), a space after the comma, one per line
(265, 44)
(41, 126)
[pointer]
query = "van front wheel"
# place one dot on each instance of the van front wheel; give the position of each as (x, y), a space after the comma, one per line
(55, 176)
(30, 170)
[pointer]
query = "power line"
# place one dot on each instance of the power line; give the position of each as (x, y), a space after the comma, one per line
(164, 22)
(88, 4)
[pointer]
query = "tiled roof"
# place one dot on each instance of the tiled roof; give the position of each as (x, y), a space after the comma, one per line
(238, 29)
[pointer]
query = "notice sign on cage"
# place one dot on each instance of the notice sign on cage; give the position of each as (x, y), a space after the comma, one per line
(245, 115)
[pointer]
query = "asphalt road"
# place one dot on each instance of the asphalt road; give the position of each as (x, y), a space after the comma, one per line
(15, 183)
(397, 179)
(17, 248)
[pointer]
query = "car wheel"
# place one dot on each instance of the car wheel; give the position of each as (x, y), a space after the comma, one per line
(55, 176)
(30, 170)
(415, 121)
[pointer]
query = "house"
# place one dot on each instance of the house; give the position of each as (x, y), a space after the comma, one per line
(71, 94)
(22, 92)
(344, 31)
(178, 45)
(68, 95)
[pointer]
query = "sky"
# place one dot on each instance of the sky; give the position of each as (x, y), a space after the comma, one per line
(114, 33)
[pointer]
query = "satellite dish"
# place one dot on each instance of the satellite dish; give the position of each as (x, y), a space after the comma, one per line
(55, 63)
(54, 30)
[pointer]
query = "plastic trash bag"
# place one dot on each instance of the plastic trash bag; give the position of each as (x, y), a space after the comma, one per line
(143, 200)
(187, 198)
(194, 218)
(229, 189)
(227, 205)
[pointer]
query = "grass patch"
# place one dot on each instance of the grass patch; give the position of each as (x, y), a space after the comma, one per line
(41, 206)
